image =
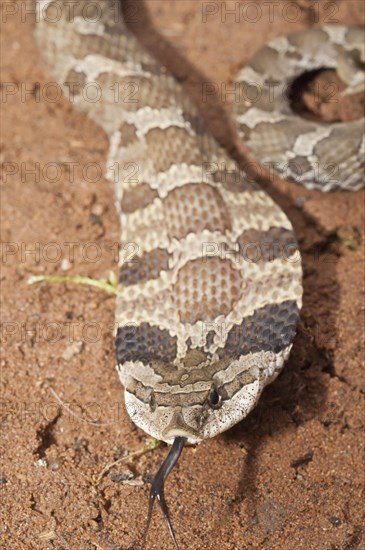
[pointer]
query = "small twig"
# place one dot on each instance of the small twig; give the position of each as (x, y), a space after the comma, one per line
(71, 413)
(152, 445)
(102, 284)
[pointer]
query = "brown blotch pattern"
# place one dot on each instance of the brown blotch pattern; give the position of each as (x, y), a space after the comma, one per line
(300, 165)
(234, 181)
(173, 145)
(206, 288)
(195, 122)
(144, 268)
(266, 57)
(228, 390)
(136, 92)
(271, 139)
(128, 134)
(145, 343)
(75, 81)
(152, 67)
(332, 156)
(265, 246)
(194, 207)
(112, 46)
(194, 358)
(308, 41)
(137, 197)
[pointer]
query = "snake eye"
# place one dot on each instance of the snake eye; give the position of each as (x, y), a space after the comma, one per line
(152, 401)
(214, 399)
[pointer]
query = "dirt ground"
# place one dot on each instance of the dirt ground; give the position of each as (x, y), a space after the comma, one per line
(291, 475)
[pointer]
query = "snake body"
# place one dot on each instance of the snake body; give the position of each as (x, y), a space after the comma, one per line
(317, 155)
(210, 274)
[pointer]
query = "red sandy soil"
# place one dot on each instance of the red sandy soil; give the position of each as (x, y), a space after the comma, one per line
(291, 475)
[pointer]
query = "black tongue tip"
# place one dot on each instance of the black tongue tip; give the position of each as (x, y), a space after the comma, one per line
(157, 488)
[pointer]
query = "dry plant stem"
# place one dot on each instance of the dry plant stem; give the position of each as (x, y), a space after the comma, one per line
(102, 284)
(151, 445)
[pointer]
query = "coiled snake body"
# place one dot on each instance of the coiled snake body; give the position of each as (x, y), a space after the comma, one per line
(210, 274)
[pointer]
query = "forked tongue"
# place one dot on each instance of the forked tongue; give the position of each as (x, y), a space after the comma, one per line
(157, 489)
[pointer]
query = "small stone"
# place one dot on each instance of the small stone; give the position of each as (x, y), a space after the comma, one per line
(97, 209)
(335, 521)
(124, 476)
(48, 535)
(34, 317)
(134, 482)
(42, 462)
(65, 264)
(73, 349)
(93, 524)
(21, 477)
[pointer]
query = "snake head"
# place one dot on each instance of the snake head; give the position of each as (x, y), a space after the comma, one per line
(202, 403)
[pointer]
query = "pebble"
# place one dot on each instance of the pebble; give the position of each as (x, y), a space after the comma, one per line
(42, 462)
(124, 476)
(97, 209)
(94, 524)
(335, 521)
(65, 264)
(73, 349)
(134, 482)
